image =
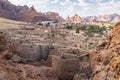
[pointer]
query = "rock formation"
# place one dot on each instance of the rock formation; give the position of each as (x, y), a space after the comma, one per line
(90, 19)
(28, 15)
(8, 10)
(74, 18)
(24, 13)
(107, 61)
(112, 18)
(53, 16)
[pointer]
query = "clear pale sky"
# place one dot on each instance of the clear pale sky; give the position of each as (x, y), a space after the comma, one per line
(70, 7)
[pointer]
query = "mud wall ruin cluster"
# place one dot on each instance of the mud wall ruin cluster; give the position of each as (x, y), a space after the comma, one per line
(36, 47)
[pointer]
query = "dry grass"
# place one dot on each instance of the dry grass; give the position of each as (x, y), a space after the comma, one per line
(9, 24)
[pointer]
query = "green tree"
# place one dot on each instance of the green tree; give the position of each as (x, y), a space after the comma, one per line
(95, 29)
(77, 30)
(110, 27)
(48, 24)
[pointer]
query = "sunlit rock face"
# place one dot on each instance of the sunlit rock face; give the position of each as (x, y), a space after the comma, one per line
(76, 18)
(108, 59)
(25, 13)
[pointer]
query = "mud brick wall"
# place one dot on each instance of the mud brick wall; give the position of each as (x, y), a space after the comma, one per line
(65, 68)
(33, 52)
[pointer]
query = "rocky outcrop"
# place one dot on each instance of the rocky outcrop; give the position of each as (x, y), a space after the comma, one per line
(24, 13)
(53, 16)
(112, 18)
(90, 19)
(74, 18)
(107, 61)
(8, 10)
(28, 15)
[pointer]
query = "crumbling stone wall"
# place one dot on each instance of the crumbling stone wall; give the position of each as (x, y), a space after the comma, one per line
(28, 52)
(65, 68)
(33, 52)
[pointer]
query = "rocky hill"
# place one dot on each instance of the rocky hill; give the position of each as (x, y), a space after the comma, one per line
(112, 18)
(109, 18)
(24, 13)
(8, 10)
(53, 16)
(75, 18)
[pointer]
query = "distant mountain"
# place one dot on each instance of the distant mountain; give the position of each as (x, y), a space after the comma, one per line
(90, 19)
(112, 18)
(75, 18)
(7, 10)
(53, 16)
(24, 13)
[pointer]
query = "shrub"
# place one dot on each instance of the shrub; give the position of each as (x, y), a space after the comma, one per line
(110, 27)
(95, 29)
(83, 27)
(77, 30)
(69, 27)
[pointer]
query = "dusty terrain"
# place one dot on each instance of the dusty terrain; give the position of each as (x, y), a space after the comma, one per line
(47, 53)
(38, 66)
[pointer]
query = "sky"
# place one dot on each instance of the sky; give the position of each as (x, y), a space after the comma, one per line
(70, 7)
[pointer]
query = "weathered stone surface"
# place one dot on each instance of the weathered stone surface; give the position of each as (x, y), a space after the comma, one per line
(79, 77)
(74, 18)
(85, 70)
(33, 52)
(65, 68)
(108, 59)
(93, 63)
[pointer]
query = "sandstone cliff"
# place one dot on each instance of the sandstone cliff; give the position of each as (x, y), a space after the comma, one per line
(74, 18)
(112, 18)
(24, 13)
(53, 16)
(107, 61)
